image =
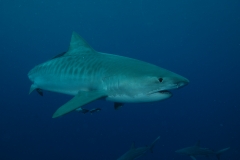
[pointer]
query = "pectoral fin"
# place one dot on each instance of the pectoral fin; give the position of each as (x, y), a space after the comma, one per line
(193, 158)
(82, 98)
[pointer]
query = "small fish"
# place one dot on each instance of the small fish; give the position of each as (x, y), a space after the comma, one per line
(82, 110)
(95, 110)
(39, 91)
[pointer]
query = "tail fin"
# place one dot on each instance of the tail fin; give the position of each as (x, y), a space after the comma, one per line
(218, 153)
(153, 143)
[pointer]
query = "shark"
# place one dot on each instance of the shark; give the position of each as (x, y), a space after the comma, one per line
(196, 150)
(134, 153)
(89, 75)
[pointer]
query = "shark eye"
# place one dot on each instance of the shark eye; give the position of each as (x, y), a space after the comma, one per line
(160, 80)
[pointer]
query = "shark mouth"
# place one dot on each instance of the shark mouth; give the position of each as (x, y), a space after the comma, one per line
(164, 92)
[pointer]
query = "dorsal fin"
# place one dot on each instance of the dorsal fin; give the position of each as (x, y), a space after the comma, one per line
(78, 46)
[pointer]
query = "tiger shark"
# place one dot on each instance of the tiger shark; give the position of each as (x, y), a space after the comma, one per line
(135, 153)
(196, 150)
(89, 75)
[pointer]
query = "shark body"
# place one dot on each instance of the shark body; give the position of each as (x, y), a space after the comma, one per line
(196, 150)
(89, 75)
(135, 153)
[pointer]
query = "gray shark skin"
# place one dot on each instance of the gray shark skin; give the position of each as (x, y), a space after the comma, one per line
(89, 75)
(135, 153)
(196, 150)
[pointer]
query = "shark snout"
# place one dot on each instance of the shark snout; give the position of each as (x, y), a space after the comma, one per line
(182, 83)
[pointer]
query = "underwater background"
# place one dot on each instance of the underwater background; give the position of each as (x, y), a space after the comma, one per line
(198, 39)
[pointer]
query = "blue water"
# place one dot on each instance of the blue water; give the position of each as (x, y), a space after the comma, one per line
(197, 39)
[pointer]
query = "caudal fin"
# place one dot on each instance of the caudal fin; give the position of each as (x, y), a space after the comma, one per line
(153, 143)
(218, 153)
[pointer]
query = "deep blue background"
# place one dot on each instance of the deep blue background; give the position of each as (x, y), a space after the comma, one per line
(197, 39)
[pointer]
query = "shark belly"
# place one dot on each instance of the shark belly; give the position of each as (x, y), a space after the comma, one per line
(140, 98)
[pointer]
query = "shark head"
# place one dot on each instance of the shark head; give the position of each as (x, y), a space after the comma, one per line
(159, 82)
(144, 84)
